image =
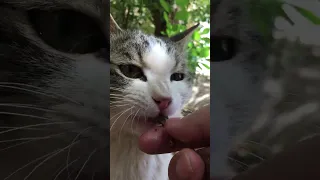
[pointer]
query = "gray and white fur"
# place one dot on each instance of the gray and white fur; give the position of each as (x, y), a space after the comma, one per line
(267, 93)
(145, 71)
(54, 90)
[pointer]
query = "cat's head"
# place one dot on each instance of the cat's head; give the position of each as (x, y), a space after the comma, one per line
(54, 85)
(149, 77)
(238, 72)
(272, 101)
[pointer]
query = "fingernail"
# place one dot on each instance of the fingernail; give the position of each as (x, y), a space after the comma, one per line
(184, 167)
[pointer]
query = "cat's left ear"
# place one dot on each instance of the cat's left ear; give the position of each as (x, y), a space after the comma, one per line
(183, 38)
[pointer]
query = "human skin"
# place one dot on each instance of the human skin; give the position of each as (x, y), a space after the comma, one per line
(301, 161)
(186, 136)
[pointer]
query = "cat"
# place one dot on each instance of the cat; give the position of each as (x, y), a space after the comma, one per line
(149, 78)
(266, 92)
(54, 89)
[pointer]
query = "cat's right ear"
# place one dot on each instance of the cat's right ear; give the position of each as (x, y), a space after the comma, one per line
(114, 28)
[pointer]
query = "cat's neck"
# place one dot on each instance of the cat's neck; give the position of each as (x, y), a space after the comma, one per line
(128, 162)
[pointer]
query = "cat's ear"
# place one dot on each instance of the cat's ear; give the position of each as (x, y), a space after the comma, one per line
(183, 38)
(114, 28)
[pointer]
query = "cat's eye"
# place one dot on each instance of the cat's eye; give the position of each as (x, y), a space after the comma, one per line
(224, 48)
(68, 31)
(177, 77)
(132, 71)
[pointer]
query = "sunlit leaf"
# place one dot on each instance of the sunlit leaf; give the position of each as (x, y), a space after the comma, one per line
(182, 15)
(205, 65)
(196, 35)
(207, 40)
(165, 5)
(205, 31)
(182, 3)
(204, 52)
(165, 16)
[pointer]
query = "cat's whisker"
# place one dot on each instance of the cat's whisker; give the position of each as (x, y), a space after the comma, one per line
(34, 125)
(258, 144)
(51, 94)
(132, 119)
(123, 112)
(24, 115)
(32, 138)
(27, 106)
(32, 129)
(48, 158)
(239, 162)
(45, 137)
(74, 140)
(123, 124)
(84, 164)
(93, 174)
(33, 161)
(65, 167)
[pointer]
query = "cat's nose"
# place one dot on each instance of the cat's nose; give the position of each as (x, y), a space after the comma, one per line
(162, 103)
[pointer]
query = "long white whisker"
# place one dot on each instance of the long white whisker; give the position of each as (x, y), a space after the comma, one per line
(46, 159)
(27, 106)
(68, 165)
(52, 94)
(119, 117)
(74, 140)
(34, 125)
(31, 138)
(84, 164)
(35, 160)
(18, 144)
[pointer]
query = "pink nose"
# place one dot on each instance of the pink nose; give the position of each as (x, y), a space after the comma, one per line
(162, 103)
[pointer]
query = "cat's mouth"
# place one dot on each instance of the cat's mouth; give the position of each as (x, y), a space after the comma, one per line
(159, 120)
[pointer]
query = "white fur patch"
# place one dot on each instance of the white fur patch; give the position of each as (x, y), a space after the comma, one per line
(158, 60)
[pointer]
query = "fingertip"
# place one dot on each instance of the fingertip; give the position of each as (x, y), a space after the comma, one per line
(150, 141)
(186, 165)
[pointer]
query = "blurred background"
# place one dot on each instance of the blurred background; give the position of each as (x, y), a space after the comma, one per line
(167, 18)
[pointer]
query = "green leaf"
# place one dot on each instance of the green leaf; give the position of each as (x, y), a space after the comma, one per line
(165, 16)
(205, 31)
(165, 5)
(196, 35)
(182, 3)
(182, 15)
(207, 40)
(204, 52)
(309, 15)
(205, 65)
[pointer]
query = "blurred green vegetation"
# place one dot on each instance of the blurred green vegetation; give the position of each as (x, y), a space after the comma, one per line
(169, 17)
(264, 12)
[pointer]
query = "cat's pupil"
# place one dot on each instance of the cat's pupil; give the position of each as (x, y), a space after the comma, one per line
(224, 48)
(132, 71)
(177, 77)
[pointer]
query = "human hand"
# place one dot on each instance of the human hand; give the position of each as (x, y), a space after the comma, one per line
(185, 135)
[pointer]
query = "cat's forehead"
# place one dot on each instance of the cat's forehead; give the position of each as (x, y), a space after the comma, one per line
(146, 51)
(92, 7)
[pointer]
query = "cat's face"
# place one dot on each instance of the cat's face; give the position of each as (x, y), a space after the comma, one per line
(149, 78)
(54, 85)
(236, 80)
(272, 101)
